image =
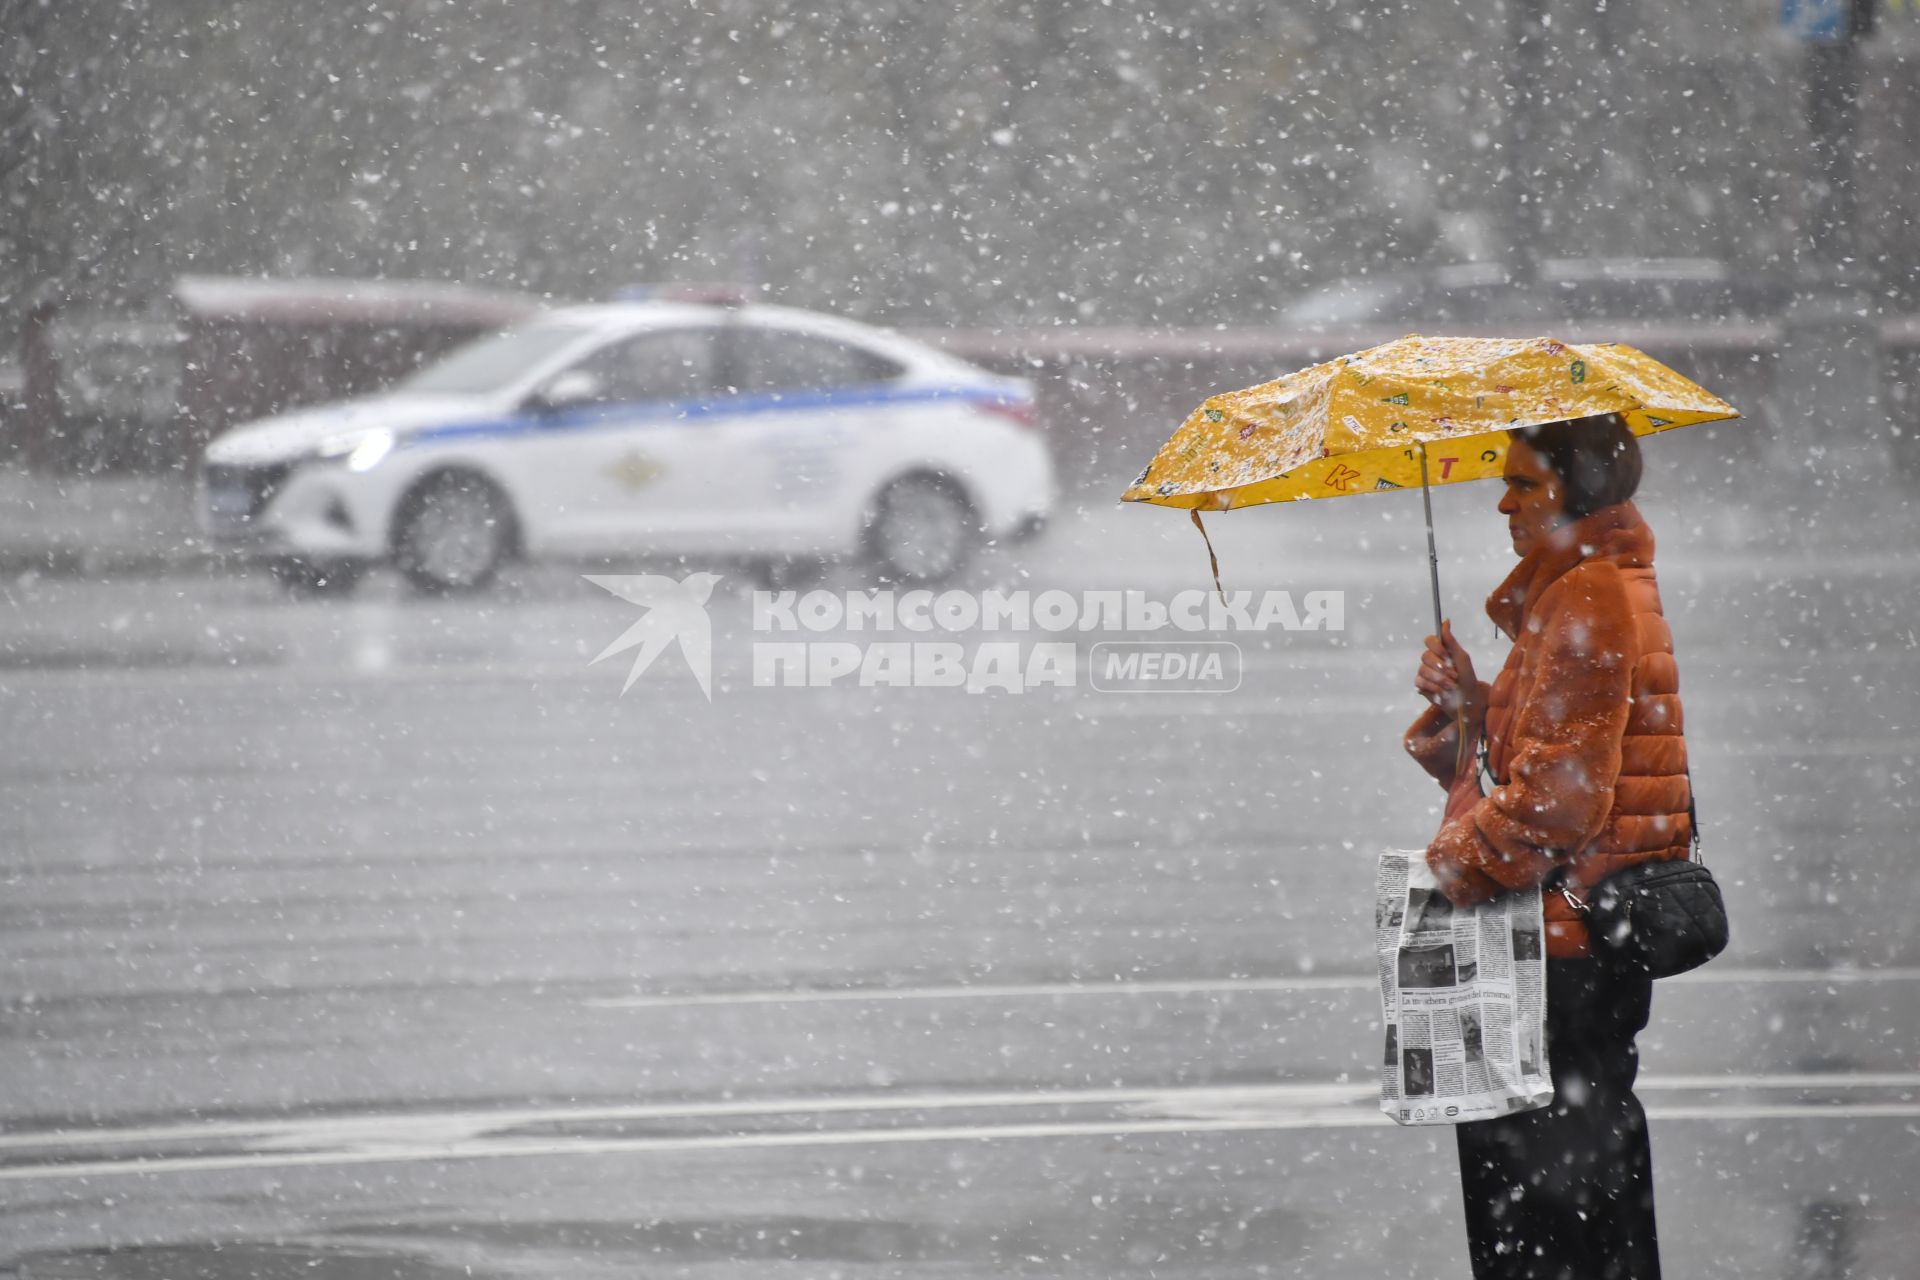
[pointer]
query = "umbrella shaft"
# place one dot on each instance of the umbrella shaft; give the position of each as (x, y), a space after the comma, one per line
(1460, 748)
(1433, 553)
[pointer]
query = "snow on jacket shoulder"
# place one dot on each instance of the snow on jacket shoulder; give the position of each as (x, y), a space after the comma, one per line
(1583, 728)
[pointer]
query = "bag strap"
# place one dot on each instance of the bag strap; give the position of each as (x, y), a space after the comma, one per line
(1693, 819)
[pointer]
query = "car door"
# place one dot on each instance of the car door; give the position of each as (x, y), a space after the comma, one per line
(627, 459)
(802, 412)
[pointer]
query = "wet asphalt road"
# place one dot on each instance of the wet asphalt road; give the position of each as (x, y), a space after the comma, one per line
(385, 937)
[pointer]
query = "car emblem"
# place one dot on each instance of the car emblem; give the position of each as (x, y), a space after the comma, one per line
(633, 471)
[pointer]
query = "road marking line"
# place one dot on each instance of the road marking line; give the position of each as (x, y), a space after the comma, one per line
(338, 1128)
(1345, 1117)
(1299, 982)
(987, 991)
(438, 1128)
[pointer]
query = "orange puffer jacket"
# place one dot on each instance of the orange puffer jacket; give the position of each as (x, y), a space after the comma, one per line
(1583, 723)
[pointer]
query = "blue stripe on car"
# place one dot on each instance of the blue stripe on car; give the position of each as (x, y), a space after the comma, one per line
(660, 413)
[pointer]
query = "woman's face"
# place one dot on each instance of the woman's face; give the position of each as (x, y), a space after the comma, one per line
(1535, 501)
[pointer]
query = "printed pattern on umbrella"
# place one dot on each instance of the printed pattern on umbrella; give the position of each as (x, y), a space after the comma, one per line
(1357, 424)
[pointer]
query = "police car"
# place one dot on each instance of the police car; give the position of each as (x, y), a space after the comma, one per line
(697, 429)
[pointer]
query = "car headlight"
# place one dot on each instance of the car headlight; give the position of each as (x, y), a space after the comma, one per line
(363, 450)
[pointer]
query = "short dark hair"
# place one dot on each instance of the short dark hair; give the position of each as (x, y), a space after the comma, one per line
(1596, 458)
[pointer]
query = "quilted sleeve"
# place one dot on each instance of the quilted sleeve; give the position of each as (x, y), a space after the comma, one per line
(1563, 758)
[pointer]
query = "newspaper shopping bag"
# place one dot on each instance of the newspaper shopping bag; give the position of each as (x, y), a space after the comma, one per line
(1463, 990)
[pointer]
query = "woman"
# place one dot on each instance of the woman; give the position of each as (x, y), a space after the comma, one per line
(1582, 733)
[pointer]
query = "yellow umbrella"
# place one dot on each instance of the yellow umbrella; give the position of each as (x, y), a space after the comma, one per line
(1416, 411)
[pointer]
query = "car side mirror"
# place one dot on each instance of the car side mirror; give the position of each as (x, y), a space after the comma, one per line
(567, 389)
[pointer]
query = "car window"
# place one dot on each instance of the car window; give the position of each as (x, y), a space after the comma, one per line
(670, 364)
(496, 362)
(776, 360)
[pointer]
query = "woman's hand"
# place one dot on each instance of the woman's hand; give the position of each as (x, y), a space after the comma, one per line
(1446, 677)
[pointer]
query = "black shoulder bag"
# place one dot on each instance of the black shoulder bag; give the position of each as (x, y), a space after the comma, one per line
(1661, 917)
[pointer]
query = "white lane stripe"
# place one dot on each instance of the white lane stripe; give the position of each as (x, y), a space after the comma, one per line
(1200, 986)
(1813, 977)
(1783, 1080)
(372, 1127)
(986, 991)
(446, 1126)
(1314, 1118)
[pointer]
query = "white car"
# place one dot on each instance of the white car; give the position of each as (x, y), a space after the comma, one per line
(684, 429)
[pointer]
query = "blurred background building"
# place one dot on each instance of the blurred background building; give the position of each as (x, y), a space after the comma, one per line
(1003, 163)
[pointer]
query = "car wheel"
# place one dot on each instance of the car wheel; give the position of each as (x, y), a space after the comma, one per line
(922, 530)
(316, 578)
(453, 532)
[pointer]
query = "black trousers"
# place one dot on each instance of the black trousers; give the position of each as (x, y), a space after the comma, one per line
(1566, 1192)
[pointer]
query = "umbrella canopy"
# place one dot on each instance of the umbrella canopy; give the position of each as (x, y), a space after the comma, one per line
(1360, 424)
